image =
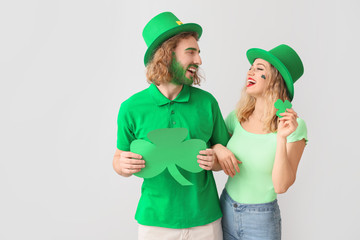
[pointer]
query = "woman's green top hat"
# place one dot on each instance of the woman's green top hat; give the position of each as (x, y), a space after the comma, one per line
(162, 27)
(285, 60)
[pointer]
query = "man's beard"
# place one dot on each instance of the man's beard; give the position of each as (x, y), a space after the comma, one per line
(179, 73)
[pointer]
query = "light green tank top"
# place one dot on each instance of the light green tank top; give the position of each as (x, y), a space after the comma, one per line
(257, 152)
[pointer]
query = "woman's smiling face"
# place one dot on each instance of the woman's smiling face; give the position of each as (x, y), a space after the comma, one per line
(256, 78)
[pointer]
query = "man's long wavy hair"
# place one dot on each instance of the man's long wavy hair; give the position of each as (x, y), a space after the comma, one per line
(158, 69)
(275, 89)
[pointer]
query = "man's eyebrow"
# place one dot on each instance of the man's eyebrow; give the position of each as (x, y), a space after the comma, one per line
(191, 48)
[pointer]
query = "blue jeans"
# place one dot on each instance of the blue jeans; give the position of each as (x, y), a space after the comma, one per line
(250, 221)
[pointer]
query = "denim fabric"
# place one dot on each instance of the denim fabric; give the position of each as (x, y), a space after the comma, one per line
(250, 221)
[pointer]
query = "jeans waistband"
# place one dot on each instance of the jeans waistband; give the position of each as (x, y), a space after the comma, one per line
(254, 207)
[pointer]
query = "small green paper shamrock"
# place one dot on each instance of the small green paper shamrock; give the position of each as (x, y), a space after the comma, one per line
(168, 149)
(282, 106)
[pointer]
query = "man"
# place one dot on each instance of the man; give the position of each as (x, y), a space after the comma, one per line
(168, 210)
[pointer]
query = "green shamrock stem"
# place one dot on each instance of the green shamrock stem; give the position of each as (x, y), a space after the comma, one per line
(174, 172)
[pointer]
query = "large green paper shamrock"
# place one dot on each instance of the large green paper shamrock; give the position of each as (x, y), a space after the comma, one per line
(168, 150)
(282, 106)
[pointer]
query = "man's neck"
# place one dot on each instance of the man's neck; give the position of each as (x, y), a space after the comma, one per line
(170, 90)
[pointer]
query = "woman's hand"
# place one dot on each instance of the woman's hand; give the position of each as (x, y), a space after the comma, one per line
(227, 160)
(287, 124)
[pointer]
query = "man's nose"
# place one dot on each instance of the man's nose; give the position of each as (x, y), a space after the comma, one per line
(197, 60)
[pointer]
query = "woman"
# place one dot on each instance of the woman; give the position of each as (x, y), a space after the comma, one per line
(268, 147)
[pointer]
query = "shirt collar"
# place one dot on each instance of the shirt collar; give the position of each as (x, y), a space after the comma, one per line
(160, 99)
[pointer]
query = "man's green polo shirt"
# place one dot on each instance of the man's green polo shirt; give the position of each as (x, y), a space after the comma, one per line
(164, 202)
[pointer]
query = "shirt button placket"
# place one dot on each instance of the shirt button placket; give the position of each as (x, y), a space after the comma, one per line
(172, 112)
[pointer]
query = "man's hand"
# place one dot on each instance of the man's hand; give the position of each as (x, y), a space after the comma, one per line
(206, 159)
(127, 163)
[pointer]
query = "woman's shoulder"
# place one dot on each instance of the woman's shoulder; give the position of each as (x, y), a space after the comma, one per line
(231, 121)
(301, 123)
(300, 132)
(232, 115)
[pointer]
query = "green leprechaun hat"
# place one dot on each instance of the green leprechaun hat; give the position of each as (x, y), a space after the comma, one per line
(162, 27)
(284, 59)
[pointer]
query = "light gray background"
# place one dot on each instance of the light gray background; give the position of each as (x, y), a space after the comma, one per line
(66, 66)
